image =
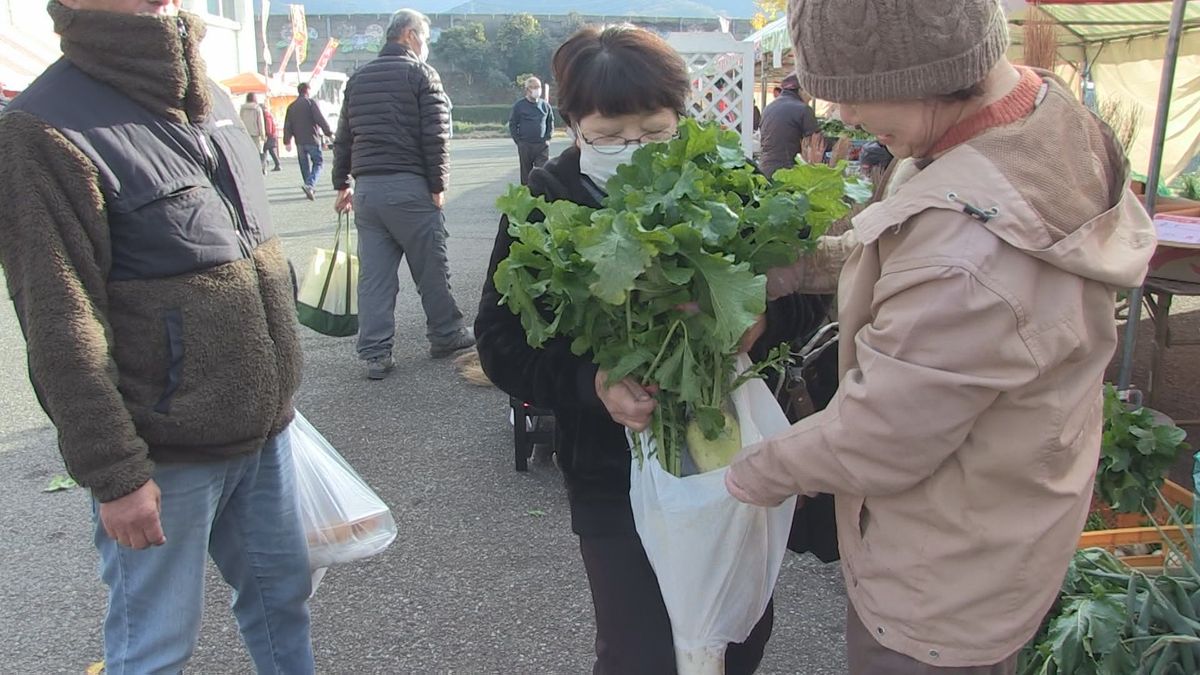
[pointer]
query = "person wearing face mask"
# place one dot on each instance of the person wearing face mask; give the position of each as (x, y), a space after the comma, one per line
(531, 124)
(392, 138)
(618, 89)
(160, 326)
(976, 315)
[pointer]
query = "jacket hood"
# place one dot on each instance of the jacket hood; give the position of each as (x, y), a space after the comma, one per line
(155, 60)
(1054, 185)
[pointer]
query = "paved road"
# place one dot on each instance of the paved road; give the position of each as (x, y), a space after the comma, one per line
(473, 584)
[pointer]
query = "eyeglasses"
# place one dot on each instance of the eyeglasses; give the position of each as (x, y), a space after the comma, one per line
(613, 145)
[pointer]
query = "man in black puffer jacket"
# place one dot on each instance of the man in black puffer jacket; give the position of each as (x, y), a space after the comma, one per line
(391, 138)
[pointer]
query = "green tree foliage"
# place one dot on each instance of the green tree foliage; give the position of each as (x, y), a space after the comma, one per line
(573, 23)
(465, 47)
(768, 11)
(522, 45)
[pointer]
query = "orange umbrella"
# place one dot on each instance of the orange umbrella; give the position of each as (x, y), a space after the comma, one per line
(247, 83)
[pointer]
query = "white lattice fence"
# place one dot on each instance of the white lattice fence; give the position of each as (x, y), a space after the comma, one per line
(722, 72)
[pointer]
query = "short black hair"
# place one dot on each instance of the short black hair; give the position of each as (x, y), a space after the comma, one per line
(251, 98)
(302, 88)
(619, 70)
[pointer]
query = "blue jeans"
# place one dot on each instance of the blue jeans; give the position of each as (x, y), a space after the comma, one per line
(311, 161)
(243, 512)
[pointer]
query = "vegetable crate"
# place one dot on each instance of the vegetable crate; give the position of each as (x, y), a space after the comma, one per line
(1132, 529)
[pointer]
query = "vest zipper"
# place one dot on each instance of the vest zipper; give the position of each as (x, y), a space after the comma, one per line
(213, 166)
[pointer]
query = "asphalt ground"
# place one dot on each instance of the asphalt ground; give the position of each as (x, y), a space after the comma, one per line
(485, 576)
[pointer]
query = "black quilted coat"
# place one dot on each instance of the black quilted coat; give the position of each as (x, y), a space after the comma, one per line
(395, 119)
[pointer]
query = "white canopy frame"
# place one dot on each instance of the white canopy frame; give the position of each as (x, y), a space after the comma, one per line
(722, 74)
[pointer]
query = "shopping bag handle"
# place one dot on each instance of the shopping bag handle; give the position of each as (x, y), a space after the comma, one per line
(349, 260)
(343, 221)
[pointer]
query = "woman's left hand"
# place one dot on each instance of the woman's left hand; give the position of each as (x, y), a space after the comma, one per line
(736, 491)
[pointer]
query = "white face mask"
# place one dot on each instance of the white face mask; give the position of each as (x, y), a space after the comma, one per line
(423, 54)
(599, 166)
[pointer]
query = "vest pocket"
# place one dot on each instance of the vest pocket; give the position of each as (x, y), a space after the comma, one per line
(173, 322)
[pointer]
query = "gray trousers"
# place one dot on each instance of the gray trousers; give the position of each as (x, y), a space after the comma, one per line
(396, 218)
(532, 155)
(868, 657)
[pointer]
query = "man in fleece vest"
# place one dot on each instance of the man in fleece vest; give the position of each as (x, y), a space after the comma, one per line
(158, 316)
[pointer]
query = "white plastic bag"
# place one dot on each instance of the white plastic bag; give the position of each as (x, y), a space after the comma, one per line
(716, 558)
(343, 518)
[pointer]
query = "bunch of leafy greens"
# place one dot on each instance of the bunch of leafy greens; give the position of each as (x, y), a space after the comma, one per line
(1135, 453)
(663, 281)
(832, 128)
(1112, 620)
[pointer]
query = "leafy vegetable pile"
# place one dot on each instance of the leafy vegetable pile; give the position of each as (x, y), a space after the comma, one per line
(663, 281)
(832, 128)
(1135, 453)
(1110, 619)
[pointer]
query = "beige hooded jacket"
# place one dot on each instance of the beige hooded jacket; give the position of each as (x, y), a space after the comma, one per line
(964, 437)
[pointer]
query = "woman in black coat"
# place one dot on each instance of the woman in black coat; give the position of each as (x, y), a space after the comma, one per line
(618, 89)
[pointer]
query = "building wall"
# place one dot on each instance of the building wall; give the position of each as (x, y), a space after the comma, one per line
(229, 48)
(28, 42)
(26, 15)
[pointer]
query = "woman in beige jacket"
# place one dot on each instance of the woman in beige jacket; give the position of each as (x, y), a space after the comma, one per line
(976, 315)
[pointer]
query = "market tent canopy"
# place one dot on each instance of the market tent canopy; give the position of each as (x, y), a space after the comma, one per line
(247, 83)
(1092, 25)
(772, 38)
(1135, 81)
(1121, 45)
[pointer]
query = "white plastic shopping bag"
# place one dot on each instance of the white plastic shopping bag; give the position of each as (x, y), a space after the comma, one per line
(716, 558)
(343, 518)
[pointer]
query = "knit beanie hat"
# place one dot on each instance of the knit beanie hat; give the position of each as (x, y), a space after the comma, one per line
(917, 48)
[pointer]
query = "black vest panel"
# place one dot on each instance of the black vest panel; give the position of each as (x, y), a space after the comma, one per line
(181, 198)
